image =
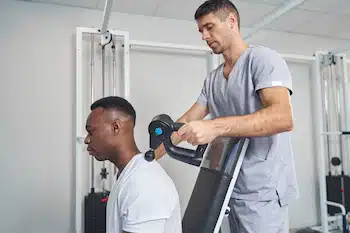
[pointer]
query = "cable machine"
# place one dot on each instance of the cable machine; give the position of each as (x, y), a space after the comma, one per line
(332, 114)
(95, 203)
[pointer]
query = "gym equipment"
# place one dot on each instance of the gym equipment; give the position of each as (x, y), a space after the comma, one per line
(332, 110)
(95, 203)
(219, 162)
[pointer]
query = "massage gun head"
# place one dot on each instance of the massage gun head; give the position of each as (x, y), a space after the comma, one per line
(160, 130)
(149, 155)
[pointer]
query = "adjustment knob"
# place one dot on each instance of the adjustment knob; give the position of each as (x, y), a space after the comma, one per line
(158, 131)
(335, 161)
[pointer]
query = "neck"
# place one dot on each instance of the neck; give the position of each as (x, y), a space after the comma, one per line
(234, 51)
(124, 154)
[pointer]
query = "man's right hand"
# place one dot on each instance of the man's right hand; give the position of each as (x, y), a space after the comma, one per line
(196, 112)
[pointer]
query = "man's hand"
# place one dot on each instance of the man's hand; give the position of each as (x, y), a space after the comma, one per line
(196, 112)
(198, 132)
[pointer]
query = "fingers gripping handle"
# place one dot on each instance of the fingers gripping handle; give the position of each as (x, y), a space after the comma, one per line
(177, 126)
(160, 130)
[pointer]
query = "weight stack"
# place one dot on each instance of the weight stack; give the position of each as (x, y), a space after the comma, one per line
(334, 192)
(95, 212)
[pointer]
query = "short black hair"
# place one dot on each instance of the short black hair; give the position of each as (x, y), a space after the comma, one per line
(117, 103)
(219, 7)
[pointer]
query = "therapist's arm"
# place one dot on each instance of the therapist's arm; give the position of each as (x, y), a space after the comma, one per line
(196, 112)
(275, 117)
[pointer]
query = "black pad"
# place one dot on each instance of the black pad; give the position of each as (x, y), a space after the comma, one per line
(334, 193)
(207, 198)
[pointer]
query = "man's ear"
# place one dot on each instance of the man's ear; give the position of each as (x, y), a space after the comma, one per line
(232, 19)
(116, 126)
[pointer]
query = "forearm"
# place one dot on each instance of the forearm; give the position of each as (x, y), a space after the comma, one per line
(268, 121)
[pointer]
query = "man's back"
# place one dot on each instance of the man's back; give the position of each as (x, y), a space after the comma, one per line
(143, 199)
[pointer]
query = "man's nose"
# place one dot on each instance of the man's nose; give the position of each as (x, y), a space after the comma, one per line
(205, 35)
(87, 140)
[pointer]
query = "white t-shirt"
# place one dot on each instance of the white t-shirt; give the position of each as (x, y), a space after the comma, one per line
(143, 199)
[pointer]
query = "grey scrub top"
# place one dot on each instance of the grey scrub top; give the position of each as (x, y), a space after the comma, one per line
(267, 171)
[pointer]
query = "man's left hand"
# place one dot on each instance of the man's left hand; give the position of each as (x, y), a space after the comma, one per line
(198, 132)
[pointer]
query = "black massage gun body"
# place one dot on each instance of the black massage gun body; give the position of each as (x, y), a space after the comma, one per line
(160, 130)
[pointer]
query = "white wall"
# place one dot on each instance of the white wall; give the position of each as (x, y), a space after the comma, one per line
(37, 171)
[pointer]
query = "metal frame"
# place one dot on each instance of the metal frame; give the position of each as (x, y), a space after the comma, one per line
(235, 174)
(320, 135)
(80, 31)
(320, 148)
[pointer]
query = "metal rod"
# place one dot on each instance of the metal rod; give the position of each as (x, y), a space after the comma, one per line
(346, 119)
(114, 67)
(126, 66)
(320, 142)
(106, 15)
(324, 100)
(336, 133)
(79, 131)
(168, 46)
(92, 95)
(139, 43)
(103, 95)
(279, 11)
(114, 91)
(341, 49)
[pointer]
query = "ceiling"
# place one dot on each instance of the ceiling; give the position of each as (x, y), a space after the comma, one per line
(312, 25)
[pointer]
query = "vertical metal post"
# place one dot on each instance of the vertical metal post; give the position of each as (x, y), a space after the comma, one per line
(126, 66)
(346, 88)
(78, 131)
(320, 142)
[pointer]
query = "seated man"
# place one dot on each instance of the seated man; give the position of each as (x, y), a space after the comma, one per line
(143, 198)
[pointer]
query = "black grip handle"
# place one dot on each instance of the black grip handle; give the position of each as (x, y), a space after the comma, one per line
(177, 125)
(160, 130)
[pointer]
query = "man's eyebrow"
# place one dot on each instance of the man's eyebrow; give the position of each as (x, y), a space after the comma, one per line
(203, 26)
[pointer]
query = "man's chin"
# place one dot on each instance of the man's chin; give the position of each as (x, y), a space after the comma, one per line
(98, 158)
(216, 51)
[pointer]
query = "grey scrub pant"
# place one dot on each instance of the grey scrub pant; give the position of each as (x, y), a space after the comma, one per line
(257, 217)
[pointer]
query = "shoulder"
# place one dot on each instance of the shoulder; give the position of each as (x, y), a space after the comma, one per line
(258, 51)
(266, 61)
(261, 55)
(149, 178)
(149, 188)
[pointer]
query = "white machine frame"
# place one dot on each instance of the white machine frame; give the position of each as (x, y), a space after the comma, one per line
(215, 60)
(320, 134)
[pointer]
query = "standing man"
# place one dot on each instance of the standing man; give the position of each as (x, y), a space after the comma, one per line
(248, 95)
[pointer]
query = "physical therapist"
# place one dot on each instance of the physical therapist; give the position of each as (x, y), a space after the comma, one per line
(248, 95)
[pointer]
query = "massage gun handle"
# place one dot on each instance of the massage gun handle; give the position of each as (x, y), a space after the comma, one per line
(189, 156)
(177, 125)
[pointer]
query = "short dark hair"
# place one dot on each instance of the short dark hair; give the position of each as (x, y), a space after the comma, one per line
(117, 103)
(219, 7)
